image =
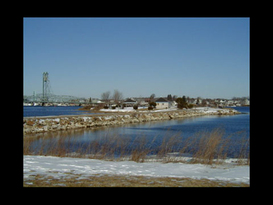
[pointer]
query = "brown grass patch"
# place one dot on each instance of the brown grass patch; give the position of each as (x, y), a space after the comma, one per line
(126, 181)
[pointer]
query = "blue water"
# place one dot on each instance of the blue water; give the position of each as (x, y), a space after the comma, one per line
(188, 126)
(235, 127)
(32, 111)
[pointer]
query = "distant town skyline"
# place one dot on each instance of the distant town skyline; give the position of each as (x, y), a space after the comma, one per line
(195, 57)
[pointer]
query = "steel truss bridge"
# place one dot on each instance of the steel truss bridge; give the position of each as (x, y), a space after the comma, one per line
(51, 98)
(48, 97)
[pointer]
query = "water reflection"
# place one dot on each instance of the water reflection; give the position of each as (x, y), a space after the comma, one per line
(170, 135)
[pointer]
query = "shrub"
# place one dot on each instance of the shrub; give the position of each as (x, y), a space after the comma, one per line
(152, 104)
(105, 107)
(135, 107)
(150, 108)
(182, 103)
(190, 106)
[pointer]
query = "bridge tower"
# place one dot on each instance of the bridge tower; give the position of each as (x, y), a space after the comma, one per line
(46, 87)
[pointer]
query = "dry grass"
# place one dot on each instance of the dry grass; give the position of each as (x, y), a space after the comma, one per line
(125, 181)
(210, 145)
(205, 147)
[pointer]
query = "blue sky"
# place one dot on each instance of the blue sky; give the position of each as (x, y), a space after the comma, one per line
(206, 57)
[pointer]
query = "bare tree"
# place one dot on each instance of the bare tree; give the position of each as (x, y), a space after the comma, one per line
(117, 96)
(152, 97)
(106, 97)
(169, 97)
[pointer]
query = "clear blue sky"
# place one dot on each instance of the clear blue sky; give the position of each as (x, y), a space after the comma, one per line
(206, 57)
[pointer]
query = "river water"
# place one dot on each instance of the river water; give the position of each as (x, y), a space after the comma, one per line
(234, 127)
(32, 111)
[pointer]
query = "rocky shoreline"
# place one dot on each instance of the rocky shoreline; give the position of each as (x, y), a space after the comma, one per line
(57, 123)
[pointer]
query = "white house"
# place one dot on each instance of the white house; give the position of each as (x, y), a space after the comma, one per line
(161, 103)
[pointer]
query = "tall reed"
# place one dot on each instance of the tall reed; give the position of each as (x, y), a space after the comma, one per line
(205, 147)
(209, 145)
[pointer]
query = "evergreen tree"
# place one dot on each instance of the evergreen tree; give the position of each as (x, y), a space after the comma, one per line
(182, 103)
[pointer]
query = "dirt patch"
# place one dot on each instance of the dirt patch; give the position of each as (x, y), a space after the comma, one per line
(124, 181)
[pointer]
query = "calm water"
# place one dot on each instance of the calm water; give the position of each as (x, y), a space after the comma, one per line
(31, 111)
(236, 127)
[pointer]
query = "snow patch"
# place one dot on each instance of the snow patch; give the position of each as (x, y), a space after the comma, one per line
(56, 120)
(126, 109)
(58, 167)
(108, 117)
(86, 118)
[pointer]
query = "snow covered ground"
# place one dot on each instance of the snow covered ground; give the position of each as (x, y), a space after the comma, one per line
(57, 167)
(210, 109)
(126, 109)
(140, 109)
(200, 109)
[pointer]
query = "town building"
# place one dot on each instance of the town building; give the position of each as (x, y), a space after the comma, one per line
(162, 103)
(130, 102)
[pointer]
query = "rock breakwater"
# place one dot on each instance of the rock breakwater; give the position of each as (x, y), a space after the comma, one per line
(57, 123)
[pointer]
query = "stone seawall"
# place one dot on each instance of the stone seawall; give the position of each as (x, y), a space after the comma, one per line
(57, 123)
